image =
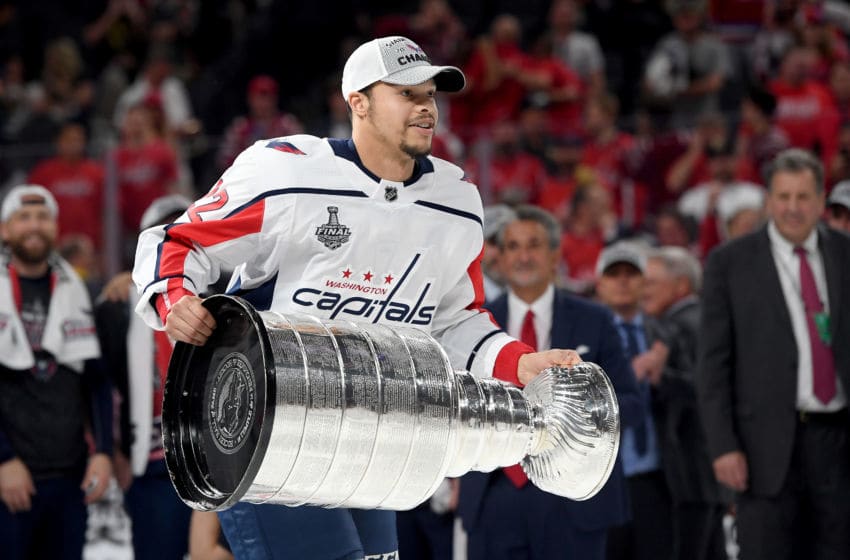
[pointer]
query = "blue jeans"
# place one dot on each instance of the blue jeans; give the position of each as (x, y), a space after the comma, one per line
(54, 527)
(272, 532)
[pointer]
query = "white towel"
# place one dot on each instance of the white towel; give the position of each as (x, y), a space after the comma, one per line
(140, 372)
(69, 332)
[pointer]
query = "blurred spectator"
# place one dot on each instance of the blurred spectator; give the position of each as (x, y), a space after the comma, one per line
(146, 166)
(619, 286)
(578, 50)
(157, 82)
(700, 202)
(777, 35)
(605, 152)
(49, 375)
(534, 131)
(558, 89)
(504, 515)
(709, 146)
(508, 175)
(495, 219)
(264, 120)
(206, 539)
(77, 184)
(673, 281)
(839, 87)
(838, 207)
(689, 66)
(116, 41)
(759, 139)
(826, 41)
(590, 224)
(119, 29)
(137, 358)
(79, 252)
(675, 229)
(803, 106)
(657, 148)
(496, 81)
(838, 163)
(12, 88)
(59, 96)
(564, 175)
(434, 26)
(838, 166)
(772, 372)
(740, 210)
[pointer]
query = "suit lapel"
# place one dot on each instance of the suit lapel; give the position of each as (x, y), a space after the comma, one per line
(499, 309)
(561, 316)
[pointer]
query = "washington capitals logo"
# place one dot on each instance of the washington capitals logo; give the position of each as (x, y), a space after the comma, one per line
(285, 147)
(333, 234)
(414, 48)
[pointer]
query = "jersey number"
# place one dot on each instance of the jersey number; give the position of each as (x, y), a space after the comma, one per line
(219, 199)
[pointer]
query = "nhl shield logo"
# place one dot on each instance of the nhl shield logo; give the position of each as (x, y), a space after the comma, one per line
(333, 234)
(390, 193)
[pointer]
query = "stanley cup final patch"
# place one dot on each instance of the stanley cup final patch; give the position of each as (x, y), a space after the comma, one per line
(333, 234)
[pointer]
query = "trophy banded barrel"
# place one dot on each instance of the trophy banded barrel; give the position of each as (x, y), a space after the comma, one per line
(292, 409)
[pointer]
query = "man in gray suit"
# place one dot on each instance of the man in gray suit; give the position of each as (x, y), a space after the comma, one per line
(774, 370)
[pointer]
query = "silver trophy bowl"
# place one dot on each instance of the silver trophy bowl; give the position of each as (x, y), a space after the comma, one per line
(293, 409)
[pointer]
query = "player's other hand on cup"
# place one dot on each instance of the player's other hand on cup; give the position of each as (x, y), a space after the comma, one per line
(530, 365)
(189, 321)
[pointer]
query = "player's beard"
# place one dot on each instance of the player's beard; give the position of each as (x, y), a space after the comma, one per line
(415, 152)
(30, 255)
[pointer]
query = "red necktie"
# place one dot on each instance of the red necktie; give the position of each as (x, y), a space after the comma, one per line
(528, 336)
(823, 367)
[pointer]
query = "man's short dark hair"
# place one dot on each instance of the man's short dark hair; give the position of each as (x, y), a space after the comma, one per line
(795, 160)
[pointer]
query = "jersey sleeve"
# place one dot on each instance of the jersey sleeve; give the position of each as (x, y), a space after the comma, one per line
(225, 228)
(470, 336)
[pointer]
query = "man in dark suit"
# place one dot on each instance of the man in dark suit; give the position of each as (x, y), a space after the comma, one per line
(505, 516)
(774, 370)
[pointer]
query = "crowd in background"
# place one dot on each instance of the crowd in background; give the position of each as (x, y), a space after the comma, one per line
(619, 118)
(641, 119)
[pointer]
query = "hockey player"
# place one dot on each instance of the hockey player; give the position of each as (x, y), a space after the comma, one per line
(367, 229)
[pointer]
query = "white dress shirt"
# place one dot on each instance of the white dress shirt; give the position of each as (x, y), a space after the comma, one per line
(542, 308)
(788, 266)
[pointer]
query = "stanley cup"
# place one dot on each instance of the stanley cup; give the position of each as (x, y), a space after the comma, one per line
(299, 410)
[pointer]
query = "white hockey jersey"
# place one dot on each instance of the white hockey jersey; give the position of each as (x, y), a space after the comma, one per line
(310, 229)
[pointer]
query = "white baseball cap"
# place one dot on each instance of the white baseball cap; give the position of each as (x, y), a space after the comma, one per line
(399, 61)
(621, 252)
(27, 194)
(840, 195)
(737, 198)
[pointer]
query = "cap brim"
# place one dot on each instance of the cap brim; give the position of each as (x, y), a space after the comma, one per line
(633, 262)
(844, 203)
(446, 78)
